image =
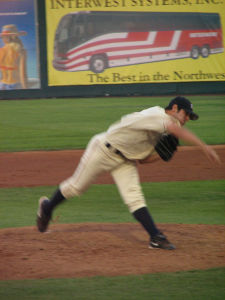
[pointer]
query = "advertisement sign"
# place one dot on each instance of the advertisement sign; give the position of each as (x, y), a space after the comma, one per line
(135, 41)
(18, 45)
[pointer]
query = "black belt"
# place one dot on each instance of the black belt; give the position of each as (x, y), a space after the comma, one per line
(116, 151)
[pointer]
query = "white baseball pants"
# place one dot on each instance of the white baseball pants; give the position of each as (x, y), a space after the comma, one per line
(98, 159)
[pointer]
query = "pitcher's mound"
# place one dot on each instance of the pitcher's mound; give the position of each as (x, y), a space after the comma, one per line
(90, 249)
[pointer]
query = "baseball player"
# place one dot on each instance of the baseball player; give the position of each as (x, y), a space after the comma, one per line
(139, 137)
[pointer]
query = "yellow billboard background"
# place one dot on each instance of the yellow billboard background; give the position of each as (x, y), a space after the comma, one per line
(211, 68)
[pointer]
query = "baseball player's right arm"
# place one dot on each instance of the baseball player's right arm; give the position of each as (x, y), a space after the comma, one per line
(189, 137)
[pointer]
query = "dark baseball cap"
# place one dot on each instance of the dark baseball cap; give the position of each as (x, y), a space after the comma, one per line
(185, 104)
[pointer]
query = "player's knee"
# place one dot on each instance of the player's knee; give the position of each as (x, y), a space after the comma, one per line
(69, 190)
(135, 205)
(134, 199)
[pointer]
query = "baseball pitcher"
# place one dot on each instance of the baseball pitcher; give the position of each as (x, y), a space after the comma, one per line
(140, 137)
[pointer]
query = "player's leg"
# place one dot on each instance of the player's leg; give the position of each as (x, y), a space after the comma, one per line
(88, 168)
(127, 179)
(93, 162)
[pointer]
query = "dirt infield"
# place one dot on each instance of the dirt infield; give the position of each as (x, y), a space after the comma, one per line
(49, 168)
(82, 250)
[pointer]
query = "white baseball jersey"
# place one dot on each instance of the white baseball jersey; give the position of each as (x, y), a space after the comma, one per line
(136, 134)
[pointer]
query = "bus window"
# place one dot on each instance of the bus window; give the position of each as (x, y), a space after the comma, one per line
(98, 24)
(63, 29)
(70, 33)
(62, 36)
(77, 31)
(211, 21)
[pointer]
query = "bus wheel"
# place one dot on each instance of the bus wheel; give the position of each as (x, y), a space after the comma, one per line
(98, 63)
(194, 52)
(205, 51)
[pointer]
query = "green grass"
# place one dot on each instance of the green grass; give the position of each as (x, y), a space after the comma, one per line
(192, 285)
(48, 124)
(193, 202)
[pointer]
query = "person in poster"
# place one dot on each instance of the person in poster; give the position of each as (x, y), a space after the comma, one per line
(12, 59)
(19, 49)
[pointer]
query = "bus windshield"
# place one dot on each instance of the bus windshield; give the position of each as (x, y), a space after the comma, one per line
(70, 32)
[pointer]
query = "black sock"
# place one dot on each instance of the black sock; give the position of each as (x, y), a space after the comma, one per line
(56, 199)
(143, 216)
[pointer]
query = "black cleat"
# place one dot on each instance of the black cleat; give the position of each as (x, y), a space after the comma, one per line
(43, 218)
(160, 241)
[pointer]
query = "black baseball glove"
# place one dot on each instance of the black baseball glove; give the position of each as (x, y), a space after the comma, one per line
(166, 146)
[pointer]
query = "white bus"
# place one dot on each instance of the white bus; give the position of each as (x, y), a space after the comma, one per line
(95, 41)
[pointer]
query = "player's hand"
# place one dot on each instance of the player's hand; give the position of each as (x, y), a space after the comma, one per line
(211, 154)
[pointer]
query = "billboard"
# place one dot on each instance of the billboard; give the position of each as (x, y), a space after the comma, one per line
(121, 41)
(19, 63)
